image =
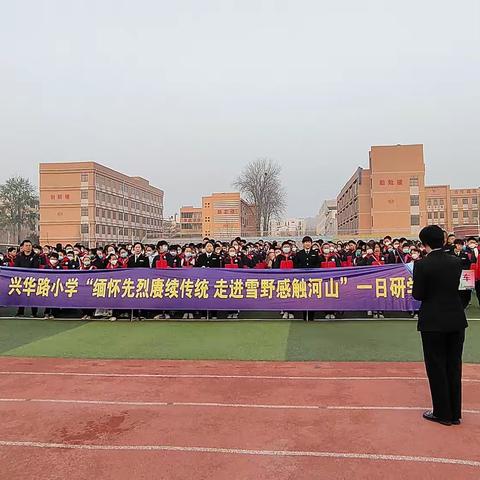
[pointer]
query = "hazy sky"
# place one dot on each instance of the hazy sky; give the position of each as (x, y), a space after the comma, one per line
(185, 93)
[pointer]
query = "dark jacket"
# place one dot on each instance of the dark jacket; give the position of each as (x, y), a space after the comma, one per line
(27, 261)
(212, 261)
(307, 260)
(435, 283)
(140, 262)
(464, 257)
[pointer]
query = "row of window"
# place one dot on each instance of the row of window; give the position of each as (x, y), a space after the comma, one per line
(122, 188)
(118, 231)
(125, 202)
(105, 214)
(455, 201)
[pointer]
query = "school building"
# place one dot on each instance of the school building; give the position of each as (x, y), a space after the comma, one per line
(94, 205)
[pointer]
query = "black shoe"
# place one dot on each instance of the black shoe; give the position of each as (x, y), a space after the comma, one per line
(458, 421)
(428, 415)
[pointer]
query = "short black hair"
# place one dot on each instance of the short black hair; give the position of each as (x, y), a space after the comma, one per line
(138, 243)
(25, 241)
(307, 239)
(432, 236)
(459, 241)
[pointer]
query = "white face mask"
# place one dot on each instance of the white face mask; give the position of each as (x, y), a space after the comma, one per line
(113, 262)
(53, 262)
(286, 249)
(369, 251)
(232, 254)
(188, 254)
(415, 256)
(326, 251)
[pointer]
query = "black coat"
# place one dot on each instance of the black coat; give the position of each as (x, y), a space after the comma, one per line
(212, 261)
(27, 261)
(435, 283)
(307, 260)
(464, 257)
(140, 262)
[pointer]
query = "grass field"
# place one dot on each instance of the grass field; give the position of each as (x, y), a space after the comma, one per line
(390, 340)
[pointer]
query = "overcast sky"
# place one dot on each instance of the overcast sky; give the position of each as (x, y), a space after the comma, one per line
(184, 93)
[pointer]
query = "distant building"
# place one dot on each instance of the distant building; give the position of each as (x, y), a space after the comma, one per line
(388, 198)
(287, 227)
(327, 219)
(454, 209)
(88, 203)
(226, 216)
(191, 222)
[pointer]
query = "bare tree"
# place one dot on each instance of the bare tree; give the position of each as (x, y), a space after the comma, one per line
(261, 185)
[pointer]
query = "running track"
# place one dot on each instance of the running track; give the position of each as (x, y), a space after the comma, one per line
(88, 419)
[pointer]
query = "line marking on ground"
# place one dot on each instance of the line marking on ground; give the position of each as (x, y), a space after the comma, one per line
(216, 404)
(254, 377)
(239, 451)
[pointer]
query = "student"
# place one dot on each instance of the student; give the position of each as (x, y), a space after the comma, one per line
(173, 259)
(329, 259)
(161, 258)
(233, 260)
(285, 261)
(27, 259)
(138, 260)
(472, 251)
(123, 257)
(52, 264)
(460, 252)
(209, 259)
(99, 258)
(307, 258)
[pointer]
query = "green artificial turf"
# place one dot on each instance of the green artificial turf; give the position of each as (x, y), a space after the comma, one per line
(388, 340)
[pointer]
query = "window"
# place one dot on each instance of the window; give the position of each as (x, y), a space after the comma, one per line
(84, 228)
(474, 200)
(120, 215)
(109, 230)
(465, 214)
(414, 220)
(414, 200)
(114, 215)
(429, 215)
(103, 229)
(442, 215)
(455, 214)
(455, 201)
(84, 212)
(435, 215)
(84, 195)
(435, 202)
(97, 228)
(120, 231)
(414, 181)
(465, 201)
(97, 212)
(84, 177)
(441, 201)
(109, 214)
(475, 213)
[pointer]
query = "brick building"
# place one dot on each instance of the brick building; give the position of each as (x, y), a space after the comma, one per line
(95, 205)
(388, 197)
(191, 222)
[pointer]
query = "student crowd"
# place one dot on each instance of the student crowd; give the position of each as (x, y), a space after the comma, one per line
(236, 254)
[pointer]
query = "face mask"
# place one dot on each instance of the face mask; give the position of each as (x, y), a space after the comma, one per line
(53, 262)
(188, 254)
(149, 254)
(124, 254)
(326, 251)
(369, 251)
(70, 257)
(113, 262)
(173, 253)
(472, 246)
(286, 249)
(76, 252)
(100, 254)
(415, 256)
(92, 257)
(86, 264)
(406, 250)
(1, 257)
(232, 254)
(390, 249)
(60, 257)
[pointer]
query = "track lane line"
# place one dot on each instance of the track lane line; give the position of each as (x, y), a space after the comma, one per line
(239, 451)
(210, 376)
(219, 405)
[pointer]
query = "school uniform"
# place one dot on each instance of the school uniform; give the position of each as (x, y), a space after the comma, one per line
(138, 261)
(307, 259)
(209, 260)
(27, 261)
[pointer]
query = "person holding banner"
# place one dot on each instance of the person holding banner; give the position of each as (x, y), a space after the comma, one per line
(209, 259)
(329, 259)
(26, 259)
(285, 261)
(307, 258)
(442, 324)
(462, 255)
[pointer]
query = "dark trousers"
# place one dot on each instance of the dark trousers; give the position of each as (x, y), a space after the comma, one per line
(477, 289)
(442, 352)
(21, 311)
(309, 316)
(465, 297)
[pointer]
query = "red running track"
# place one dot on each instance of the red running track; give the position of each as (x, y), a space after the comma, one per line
(85, 419)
